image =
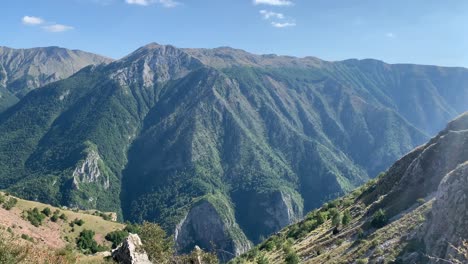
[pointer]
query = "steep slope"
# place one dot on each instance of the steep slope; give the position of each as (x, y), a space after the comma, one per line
(215, 145)
(414, 213)
(22, 70)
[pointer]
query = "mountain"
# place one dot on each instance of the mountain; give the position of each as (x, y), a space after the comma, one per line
(219, 146)
(22, 70)
(413, 213)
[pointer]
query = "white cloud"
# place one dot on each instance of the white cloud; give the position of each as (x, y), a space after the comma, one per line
(390, 35)
(55, 28)
(273, 2)
(165, 3)
(269, 14)
(32, 20)
(283, 25)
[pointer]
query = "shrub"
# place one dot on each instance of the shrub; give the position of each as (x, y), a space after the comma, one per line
(10, 203)
(46, 211)
(336, 219)
(157, 245)
(346, 217)
(421, 201)
(116, 237)
(35, 217)
(132, 228)
(63, 217)
(379, 219)
(269, 245)
(320, 218)
(292, 258)
(362, 261)
(360, 234)
(78, 222)
(86, 243)
(262, 259)
(2, 198)
(54, 218)
(26, 237)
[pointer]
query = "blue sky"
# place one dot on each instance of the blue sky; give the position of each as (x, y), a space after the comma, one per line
(415, 31)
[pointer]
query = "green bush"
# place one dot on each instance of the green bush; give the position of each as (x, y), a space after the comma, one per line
(421, 201)
(156, 243)
(132, 228)
(116, 237)
(35, 217)
(292, 258)
(2, 198)
(86, 243)
(336, 219)
(269, 245)
(346, 217)
(362, 261)
(54, 218)
(46, 211)
(78, 222)
(379, 219)
(262, 259)
(10, 203)
(63, 217)
(26, 237)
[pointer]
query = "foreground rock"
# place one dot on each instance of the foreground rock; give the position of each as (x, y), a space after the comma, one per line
(131, 251)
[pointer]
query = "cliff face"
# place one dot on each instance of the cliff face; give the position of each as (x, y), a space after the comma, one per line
(205, 226)
(445, 234)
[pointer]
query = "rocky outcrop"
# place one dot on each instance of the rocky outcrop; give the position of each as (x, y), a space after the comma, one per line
(446, 232)
(131, 251)
(88, 172)
(204, 226)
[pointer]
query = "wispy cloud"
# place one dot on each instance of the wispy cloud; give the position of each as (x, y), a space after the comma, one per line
(283, 25)
(273, 2)
(55, 28)
(279, 19)
(165, 3)
(47, 26)
(32, 20)
(390, 35)
(270, 14)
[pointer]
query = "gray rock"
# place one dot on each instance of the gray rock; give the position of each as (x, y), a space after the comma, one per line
(131, 251)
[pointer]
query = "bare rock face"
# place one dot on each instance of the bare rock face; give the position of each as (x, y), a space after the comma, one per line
(154, 64)
(446, 233)
(89, 172)
(131, 251)
(204, 226)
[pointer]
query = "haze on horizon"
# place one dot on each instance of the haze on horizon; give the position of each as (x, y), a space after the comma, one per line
(421, 32)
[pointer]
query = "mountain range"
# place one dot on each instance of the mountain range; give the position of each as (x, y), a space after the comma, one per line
(219, 146)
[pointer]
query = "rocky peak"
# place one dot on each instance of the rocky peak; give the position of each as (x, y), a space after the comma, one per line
(131, 251)
(153, 64)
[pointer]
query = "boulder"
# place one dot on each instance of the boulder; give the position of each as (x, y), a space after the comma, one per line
(131, 251)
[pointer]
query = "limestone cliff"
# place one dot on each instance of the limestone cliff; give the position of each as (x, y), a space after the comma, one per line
(207, 224)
